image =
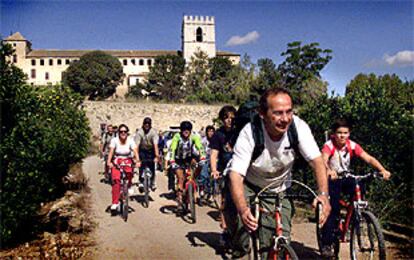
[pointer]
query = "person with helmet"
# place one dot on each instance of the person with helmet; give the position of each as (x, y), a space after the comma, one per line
(182, 154)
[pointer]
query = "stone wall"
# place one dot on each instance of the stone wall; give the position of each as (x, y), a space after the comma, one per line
(163, 115)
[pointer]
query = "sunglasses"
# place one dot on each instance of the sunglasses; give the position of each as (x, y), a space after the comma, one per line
(123, 132)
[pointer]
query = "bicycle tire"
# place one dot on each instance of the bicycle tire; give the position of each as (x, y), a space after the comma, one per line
(217, 195)
(146, 189)
(191, 199)
(367, 229)
(125, 203)
(318, 211)
(284, 251)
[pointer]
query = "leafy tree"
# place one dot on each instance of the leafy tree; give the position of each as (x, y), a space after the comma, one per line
(302, 63)
(267, 77)
(219, 68)
(197, 77)
(96, 75)
(400, 93)
(313, 88)
(166, 77)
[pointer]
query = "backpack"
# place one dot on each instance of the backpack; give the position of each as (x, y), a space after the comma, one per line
(248, 113)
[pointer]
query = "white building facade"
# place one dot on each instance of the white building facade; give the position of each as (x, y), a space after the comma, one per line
(44, 67)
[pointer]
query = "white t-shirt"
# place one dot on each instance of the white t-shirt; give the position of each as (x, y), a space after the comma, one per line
(123, 150)
(276, 161)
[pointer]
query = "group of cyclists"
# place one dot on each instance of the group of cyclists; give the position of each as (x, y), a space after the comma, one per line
(230, 155)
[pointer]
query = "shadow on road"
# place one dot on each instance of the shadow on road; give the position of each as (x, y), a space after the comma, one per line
(305, 252)
(214, 214)
(211, 239)
(168, 195)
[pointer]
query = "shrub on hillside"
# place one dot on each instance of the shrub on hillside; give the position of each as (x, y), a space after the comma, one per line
(46, 133)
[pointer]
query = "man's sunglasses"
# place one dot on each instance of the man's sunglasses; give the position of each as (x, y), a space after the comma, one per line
(123, 132)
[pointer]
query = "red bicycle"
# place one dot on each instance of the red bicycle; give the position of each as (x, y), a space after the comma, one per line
(124, 197)
(366, 237)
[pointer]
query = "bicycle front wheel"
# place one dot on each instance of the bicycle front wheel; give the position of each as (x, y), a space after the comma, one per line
(125, 203)
(146, 189)
(191, 199)
(367, 240)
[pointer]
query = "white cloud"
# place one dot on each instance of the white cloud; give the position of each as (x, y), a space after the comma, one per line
(400, 59)
(241, 40)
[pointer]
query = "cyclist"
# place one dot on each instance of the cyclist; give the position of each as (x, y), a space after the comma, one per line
(182, 155)
(221, 153)
(146, 139)
(273, 164)
(102, 128)
(204, 178)
(121, 150)
(338, 154)
(104, 147)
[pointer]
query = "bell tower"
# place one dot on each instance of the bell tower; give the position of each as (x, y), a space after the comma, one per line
(198, 33)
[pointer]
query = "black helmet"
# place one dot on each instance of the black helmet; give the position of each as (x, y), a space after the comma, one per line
(186, 125)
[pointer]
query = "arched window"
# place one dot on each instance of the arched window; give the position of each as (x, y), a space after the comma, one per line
(199, 35)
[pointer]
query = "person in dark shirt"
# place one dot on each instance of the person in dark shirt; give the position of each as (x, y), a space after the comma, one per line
(221, 153)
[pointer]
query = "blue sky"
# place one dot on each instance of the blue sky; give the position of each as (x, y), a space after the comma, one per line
(365, 36)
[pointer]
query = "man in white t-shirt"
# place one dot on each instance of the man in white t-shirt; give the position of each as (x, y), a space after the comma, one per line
(273, 165)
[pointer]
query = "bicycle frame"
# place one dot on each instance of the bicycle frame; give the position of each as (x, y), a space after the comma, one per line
(355, 205)
(189, 177)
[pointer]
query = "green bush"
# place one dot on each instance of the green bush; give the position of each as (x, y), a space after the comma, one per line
(45, 132)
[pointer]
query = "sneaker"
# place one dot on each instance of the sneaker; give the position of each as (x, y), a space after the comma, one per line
(141, 187)
(202, 194)
(153, 186)
(327, 252)
(131, 191)
(114, 207)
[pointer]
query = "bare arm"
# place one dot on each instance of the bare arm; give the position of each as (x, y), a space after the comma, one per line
(371, 160)
(237, 194)
(110, 155)
(331, 173)
(213, 163)
(319, 170)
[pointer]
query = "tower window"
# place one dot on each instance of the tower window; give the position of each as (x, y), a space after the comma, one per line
(59, 62)
(42, 62)
(33, 62)
(50, 62)
(125, 62)
(133, 61)
(14, 45)
(33, 74)
(141, 62)
(14, 58)
(199, 35)
(149, 62)
(67, 62)
(47, 76)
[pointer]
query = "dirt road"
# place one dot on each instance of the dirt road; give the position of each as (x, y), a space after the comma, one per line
(157, 233)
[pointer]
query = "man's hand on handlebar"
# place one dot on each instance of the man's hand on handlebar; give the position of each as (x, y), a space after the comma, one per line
(326, 207)
(385, 174)
(215, 174)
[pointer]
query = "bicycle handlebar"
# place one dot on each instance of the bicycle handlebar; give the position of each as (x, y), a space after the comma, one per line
(350, 174)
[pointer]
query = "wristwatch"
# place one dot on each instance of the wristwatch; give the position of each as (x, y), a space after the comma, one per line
(324, 193)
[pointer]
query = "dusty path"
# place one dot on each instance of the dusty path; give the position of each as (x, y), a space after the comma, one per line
(156, 232)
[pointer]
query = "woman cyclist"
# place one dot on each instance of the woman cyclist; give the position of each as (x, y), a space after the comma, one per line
(121, 151)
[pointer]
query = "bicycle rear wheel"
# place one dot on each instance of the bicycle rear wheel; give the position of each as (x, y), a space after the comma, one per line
(367, 240)
(191, 200)
(146, 189)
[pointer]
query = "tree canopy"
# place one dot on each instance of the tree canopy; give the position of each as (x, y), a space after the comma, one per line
(96, 75)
